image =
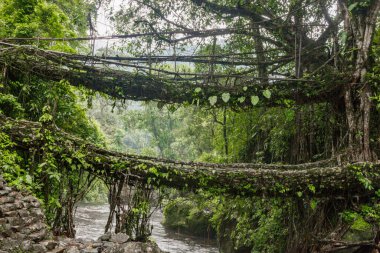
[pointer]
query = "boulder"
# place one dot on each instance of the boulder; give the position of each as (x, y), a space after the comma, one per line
(119, 238)
(105, 237)
(135, 247)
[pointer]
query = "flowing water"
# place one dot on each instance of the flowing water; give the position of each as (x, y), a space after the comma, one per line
(90, 220)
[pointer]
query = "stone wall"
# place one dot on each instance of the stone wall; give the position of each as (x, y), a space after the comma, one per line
(23, 229)
(22, 223)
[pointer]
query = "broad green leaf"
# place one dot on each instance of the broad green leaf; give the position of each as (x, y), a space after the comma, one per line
(241, 99)
(226, 97)
(311, 188)
(41, 165)
(267, 93)
(57, 203)
(313, 204)
(69, 160)
(213, 100)
(254, 100)
(28, 179)
(154, 171)
(352, 6)
(46, 117)
(56, 176)
(245, 88)
(197, 90)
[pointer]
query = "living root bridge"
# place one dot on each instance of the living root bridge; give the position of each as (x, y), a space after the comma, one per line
(125, 80)
(319, 179)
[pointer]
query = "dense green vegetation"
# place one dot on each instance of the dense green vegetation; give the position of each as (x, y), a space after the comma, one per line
(253, 224)
(326, 105)
(59, 182)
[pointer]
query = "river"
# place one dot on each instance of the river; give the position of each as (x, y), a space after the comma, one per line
(90, 220)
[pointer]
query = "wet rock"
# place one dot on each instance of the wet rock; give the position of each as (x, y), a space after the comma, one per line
(11, 214)
(91, 250)
(4, 208)
(17, 195)
(3, 192)
(72, 249)
(10, 244)
(6, 230)
(69, 243)
(3, 221)
(119, 238)
(50, 244)
(57, 250)
(38, 248)
(23, 213)
(18, 236)
(97, 245)
(26, 245)
(6, 199)
(39, 235)
(108, 245)
(105, 237)
(134, 247)
(65, 242)
(36, 212)
(14, 221)
(36, 227)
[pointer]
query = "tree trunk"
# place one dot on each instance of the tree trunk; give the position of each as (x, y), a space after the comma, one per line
(225, 135)
(359, 24)
(358, 119)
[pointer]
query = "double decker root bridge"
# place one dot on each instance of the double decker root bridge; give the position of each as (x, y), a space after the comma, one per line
(327, 178)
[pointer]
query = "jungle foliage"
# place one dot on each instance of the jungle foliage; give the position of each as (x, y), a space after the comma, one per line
(59, 182)
(234, 110)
